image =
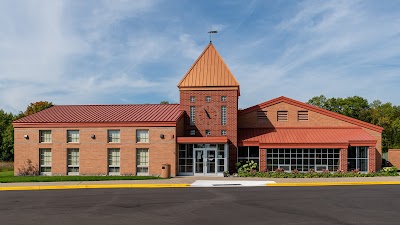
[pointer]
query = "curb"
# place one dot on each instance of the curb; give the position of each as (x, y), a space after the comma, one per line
(311, 184)
(91, 186)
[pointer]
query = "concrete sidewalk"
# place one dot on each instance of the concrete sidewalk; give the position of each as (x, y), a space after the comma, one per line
(182, 181)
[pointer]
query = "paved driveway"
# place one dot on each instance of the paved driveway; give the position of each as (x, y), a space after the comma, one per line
(256, 205)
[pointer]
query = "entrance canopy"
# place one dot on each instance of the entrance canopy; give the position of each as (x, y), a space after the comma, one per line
(305, 137)
(202, 140)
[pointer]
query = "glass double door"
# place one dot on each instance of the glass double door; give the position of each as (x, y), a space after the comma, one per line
(205, 161)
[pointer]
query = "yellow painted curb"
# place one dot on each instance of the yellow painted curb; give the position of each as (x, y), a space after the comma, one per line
(91, 186)
(310, 184)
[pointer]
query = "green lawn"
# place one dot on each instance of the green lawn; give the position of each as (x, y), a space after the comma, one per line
(8, 177)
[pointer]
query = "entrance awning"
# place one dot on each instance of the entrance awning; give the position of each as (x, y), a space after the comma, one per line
(202, 140)
(305, 137)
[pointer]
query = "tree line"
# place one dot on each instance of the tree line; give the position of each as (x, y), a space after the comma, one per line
(381, 114)
(7, 129)
(385, 115)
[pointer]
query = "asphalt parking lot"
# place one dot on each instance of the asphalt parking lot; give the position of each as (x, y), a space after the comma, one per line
(376, 204)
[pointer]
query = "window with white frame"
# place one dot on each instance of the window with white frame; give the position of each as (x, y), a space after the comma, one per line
(208, 98)
(192, 99)
(223, 98)
(45, 161)
(142, 161)
(113, 161)
(142, 136)
(114, 136)
(73, 161)
(223, 115)
(192, 115)
(73, 136)
(303, 159)
(45, 136)
(223, 132)
(357, 158)
(249, 153)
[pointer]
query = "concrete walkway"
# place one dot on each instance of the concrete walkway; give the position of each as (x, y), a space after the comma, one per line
(186, 181)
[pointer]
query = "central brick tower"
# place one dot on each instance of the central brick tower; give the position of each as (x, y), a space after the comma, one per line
(209, 95)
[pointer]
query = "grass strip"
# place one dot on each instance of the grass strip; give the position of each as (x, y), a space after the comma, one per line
(7, 177)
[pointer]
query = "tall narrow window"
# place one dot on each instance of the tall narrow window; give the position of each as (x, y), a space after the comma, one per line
(223, 115)
(282, 115)
(192, 115)
(73, 136)
(223, 98)
(45, 161)
(142, 161)
(192, 99)
(45, 136)
(142, 136)
(357, 158)
(113, 136)
(113, 161)
(73, 161)
(302, 115)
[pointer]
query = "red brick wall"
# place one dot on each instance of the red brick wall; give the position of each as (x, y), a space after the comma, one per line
(372, 159)
(249, 120)
(394, 157)
(214, 109)
(93, 152)
(263, 159)
(343, 159)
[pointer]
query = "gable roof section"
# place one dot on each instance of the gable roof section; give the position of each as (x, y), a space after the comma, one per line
(104, 114)
(209, 70)
(311, 108)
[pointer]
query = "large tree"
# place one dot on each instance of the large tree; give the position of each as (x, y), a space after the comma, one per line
(7, 129)
(6, 136)
(37, 107)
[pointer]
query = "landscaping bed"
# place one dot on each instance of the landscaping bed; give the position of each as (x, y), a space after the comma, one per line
(249, 169)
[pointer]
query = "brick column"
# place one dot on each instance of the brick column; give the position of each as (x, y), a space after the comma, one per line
(263, 160)
(371, 159)
(343, 159)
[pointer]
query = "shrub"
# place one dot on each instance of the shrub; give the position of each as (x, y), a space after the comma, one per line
(28, 169)
(389, 170)
(280, 173)
(6, 166)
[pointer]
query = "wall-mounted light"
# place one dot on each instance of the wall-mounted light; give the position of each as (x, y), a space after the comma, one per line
(26, 136)
(93, 136)
(162, 136)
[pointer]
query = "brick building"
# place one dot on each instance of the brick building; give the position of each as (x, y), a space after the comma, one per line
(205, 134)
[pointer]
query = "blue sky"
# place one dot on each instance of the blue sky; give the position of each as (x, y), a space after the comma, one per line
(122, 52)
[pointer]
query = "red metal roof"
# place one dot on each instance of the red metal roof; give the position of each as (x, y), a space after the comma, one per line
(202, 140)
(305, 137)
(311, 108)
(105, 114)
